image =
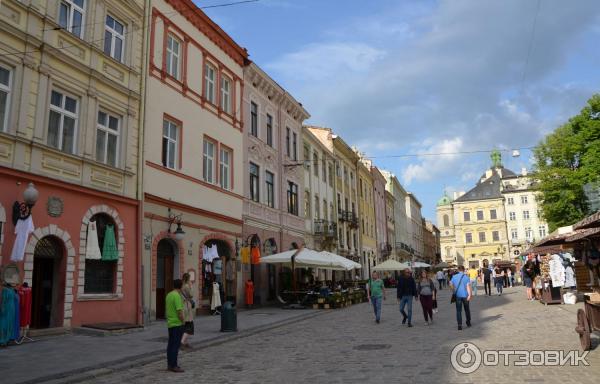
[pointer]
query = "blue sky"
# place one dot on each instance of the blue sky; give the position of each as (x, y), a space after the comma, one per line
(397, 77)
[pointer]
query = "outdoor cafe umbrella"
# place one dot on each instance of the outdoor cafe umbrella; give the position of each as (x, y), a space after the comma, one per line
(337, 262)
(417, 264)
(443, 264)
(390, 265)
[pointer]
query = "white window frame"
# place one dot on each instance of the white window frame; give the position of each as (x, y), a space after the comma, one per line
(514, 233)
(510, 201)
(524, 199)
(225, 168)
(529, 233)
(63, 112)
(6, 89)
(209, 83)
(171, 126)
(208, 161)
(542, 231)
(114, 35)
(173, 57)
(70, 13)
(526, 215)
(226, 94)
(254, 119)
(104, 127)
(512, 216)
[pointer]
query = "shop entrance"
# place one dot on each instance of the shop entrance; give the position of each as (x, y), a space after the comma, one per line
(46, 300)
(167, 266)
(220, 269)
(271, 249)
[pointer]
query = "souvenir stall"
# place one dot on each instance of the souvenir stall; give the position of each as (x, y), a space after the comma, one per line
(218, 274)
(15, 307)
(556, 273)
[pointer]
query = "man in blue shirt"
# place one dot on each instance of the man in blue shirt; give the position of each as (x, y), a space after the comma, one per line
(462, 288)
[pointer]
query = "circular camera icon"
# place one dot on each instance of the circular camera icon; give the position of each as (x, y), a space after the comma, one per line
(465, 358)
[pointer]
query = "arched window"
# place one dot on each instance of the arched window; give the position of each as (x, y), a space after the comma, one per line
(100, 273)
(446, 221)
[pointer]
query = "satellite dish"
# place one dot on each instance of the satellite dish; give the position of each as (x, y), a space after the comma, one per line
(516, 153)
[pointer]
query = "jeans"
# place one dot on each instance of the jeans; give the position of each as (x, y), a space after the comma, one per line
(462, 302)
(427, 304)
(404, 301)
(175, 334)
(441, 283)
(474, 286)
(376, 301)
(487, 285)
(499, 284)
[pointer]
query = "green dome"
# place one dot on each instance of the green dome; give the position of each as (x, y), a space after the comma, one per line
(445, 200)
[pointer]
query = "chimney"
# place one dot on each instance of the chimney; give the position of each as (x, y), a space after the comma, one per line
(523, 171)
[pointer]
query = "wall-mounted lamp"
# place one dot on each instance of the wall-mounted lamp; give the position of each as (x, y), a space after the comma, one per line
(179, 233)
(22, 210)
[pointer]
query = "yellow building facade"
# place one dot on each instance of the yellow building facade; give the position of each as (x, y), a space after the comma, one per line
(366, 211)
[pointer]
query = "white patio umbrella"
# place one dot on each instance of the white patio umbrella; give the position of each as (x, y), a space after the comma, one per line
(390, 265)
(303, 258)
(340, 263)
(416, 264)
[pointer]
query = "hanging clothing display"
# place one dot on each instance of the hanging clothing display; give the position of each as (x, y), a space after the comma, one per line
(216, 297)
(557, 271)
(109, 249)
(25, 306)
(249, 292)
(570, 277)
(92, 248)
(245, 255)
(255, 255)
(217, 266)
(7, 315)
(23, 229)
(230, 271)
(210, 253)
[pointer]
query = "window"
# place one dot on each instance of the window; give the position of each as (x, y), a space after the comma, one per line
(514, 233)
(292, 194)
(542, 229)
(446, 221)
(225, 94)
(225, 168)
(253, 119)
(169, 145)
(467, 216)
(100, 274)
(468, 238)
(209, 83)
(316, 164)
(524, 199)
(493, 214)
(482, 237)
(287, 142)
(254, 190)
(317, 208)
(107, 138)
(512, 216)
(208, 166)
(324, 168)
(62, 122)
(295, 146)
(528, 233)
(270, 130)
(511, 201)
(270, 185)
(70, 16)
(114, 37)
(479, 215)
(173, 54)
(331, 175)
(525, 215)
(5, 85)
(495, 236)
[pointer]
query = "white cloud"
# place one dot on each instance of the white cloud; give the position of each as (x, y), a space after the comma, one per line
(431, 164)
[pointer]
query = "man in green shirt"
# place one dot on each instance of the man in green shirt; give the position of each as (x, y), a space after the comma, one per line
(376, 293)
(174, 312)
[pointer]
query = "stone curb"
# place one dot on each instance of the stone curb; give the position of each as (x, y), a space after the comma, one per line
(95, 371)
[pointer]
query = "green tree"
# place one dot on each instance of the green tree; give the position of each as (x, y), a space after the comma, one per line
(565, 161)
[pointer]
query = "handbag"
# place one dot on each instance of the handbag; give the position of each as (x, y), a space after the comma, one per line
(453, 298)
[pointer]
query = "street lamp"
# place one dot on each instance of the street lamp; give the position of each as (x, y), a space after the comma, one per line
(176, 219)
(22, 210)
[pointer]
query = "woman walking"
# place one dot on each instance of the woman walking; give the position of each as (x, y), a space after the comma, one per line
(427, 293)
(499, 280)
(376, 293)
(188, 310)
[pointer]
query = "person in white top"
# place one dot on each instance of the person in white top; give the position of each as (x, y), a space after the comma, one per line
(440, 278)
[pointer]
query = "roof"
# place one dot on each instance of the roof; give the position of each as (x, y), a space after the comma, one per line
(591, 221)
(445, 200)
(486, 188)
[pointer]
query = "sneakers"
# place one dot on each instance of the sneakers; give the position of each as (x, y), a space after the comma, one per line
(404, 320)
(460, 327)
(377, 321)
(469, 324)
(427, 323)
(409, 325)
(176, 370)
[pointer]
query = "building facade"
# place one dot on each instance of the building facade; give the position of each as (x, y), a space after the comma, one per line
(431, 242)
(415, 227)
(390, 215)
(274, 176)
(366, 211)
(384, 245)
(445, 220)
(524, 223)
(194, 154)
(70, 97)
(402, 224)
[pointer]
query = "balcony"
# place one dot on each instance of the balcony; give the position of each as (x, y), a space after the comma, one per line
(385, 249)
(325, 228)
(349, 217)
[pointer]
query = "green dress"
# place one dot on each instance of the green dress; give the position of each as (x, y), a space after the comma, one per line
(109, 249)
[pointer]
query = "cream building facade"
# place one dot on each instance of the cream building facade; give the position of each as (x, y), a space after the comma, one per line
(366, 212)
(273, 158)
(70, 93)
(415, 227)
(402, 224)
(194, 154)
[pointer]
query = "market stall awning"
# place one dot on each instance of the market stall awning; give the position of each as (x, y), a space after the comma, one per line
(390, 265)
(592, 221)
(582, 233)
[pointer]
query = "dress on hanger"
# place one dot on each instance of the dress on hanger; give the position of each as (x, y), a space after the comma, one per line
(23, 229)
(216, 297)
(92, 249)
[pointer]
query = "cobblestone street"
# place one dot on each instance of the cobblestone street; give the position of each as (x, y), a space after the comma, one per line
(347, 346)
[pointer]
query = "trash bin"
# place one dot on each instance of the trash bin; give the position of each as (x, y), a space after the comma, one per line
(228, 317)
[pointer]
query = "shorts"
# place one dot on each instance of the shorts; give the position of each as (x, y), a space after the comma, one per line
(528, 282)
(188, 327)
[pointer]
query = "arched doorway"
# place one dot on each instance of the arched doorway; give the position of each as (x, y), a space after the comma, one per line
(167, 268)
(221, 270)
(48, 266)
